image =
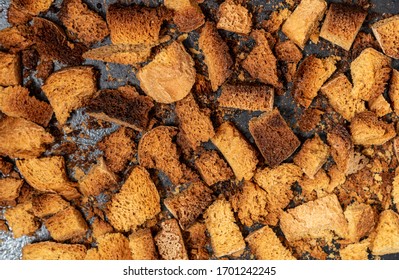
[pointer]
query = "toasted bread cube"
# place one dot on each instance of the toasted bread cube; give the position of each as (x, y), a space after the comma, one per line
(66, 224)
(48, 204)
(5, 167)
(10, 69)
(9, 190)
(342, 24)
(137, 201)
(342, 148)
(122, 54)
(357, 251)
(315, 187)
(197, 241)
(70, 89)
(142, 245)
(49, 250)
(217, 57)
(304, 20)
(274, 137)
(213, 168)
(226, 238)
(187, 14)
(261, 63)
(313, 154)
(187, 205)
(310, 119)
(370, 73)
(394, 91)
(20, 138)
(380, 106)
(314, 219)
(100, 227)
(170, 241)
(15, 38)
(287, 51)
(385, 31)
(85, 24)
(170, 76)
(386, 240)
(236, 150)
(111, 246)
(247, 97)
(367, 129)
(20, 220)
(361, 220)
(234, 17)
(32, 7)
(265, 245)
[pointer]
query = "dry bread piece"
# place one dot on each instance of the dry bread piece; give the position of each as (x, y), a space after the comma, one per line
(21, 11)
(386, 240)
(15, 38)
(313, 154)
(226, 237)
(274, 137)
(304, 20)
(142, 245)
(111, 246)
(48, 174)
(100, 227)
(234, 17)
(16, 102)
(247, 97)
(342, 24)
(20, 220)
(49, 250)
(195, 125)
(315, 187)
(187, 14)
(187, 205)
(70, 89)
(261, 63)
(314, 219)
(197, 241)
(357, 251)
(370, 73)
(341, 97)
(170, 76)
(122, 54)
(287, 51)
(85, 24)
(385, 31)
(66, 224)
(394, 91)
(216, 53)
(361, 220)
(10, 69)
(20, 138)
(380, 106)
(3, 226)
(213, 168)
(309, 78)
(342, 148)
(170, 241)
(367, 129)
(236, 150)
(156, 150)
(395, 189)
(9, 191)
(265, 245)
(48, 204)
(5, 167)
(137, 201)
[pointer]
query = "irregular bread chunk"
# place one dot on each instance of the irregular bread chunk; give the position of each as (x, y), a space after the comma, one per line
(197, 241)
(122, 54)
(361, 220)
(386, 240)
(100, 227)
(394, 91)
(380, 106)
(20, 220)
(31, 7)
(385, 31)
(170, 241)
(315, 187)
(187, 14)
(111, 246)
(9, 190)
(142, 245)
(287, 51)
(48, 204)
(213, 168)
(357, 251)
(342, 148)
(15, 38)
(10, 69)
(234, 18)
(49, 250)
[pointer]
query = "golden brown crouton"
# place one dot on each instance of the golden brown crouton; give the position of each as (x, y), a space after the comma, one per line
(394, 91)
(49, 250)
(142, 245)
(197, 241)
(275, 20)
(287, 51)
(170, 241)
(187, 14)
(111, 246)
(122, 54)
(357, 251)
(310, 119)
(342, 148)
(48, 204)
(316, 187)
(21, 11)
(386, 33)
(213, 168)
(380, 106)
(100, 227)
(14, 39)
(361, 220)
(9, 190)
(20, 220)
(10, 69)
(234, 17)
(386, 240)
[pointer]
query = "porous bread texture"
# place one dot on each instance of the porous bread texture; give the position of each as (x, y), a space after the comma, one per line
(69, 89)
(234, 18)
(385, 31)
(197, 241)
(122, 54)
(314, 219)
(10, 69)
(49, 250)
(21, 11)
(16, 102)
(213, 168)
(316, 187)
(394, 91)
(239, 154)
(341, 148)
(111, 246)
(361, 220)
(216, 53)
(15, 38)
(20, 138)
(226, 237)
(356, 251)
(47, 204)
(48, 174)
(100, 227)
(380, 106)
(9, 190)
(303, 22)
(136, 202)
(386, 240)
(342, 23)
(287, 51)
(170, 241)
(85, 24)
(265, 245)
(20, 220)
(187, 14)
(142, 245)
(274, 137)
(247, 97)
(170, 76)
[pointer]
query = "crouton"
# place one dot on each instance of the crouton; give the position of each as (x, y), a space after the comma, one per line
(21, 11)
(20, 138)
(394, 91)
(122, 54)
(5, 167)
(213, 168)
(337, 177)
(170, 241)
(197, 241)
(313, 154)
(136, 202)
(170, 76)
(247, 97)
(380, 106)
(9, 190)
(70, 89)
(234, 18)
(236, 150)
(386, 35)
(142, 245)
(48, 204)
(188, 204)
(367, 129)
(187, 14)
(15, 39)
(20, 220)
(216, 53)
(361, 221)
(304, 20)
(49, 250)
(274, 137)
(357, 251)
(100, 227)
(226, 237)
(265, 245)
(287, 51)
(314, 219)
(342, 148)
(310, 119)
(342, 23)
(10, 69)
(316, 187)
(111, 246)
(80, 21)
(386, 240)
